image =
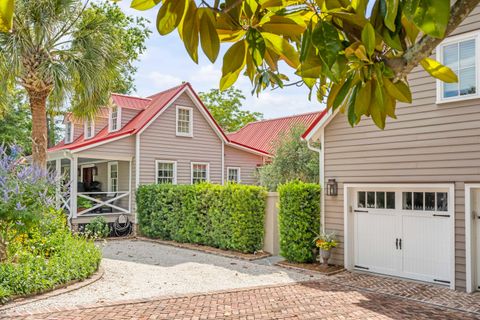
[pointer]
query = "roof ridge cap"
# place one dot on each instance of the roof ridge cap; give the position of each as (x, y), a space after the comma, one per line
(284, 117)
(130, 96)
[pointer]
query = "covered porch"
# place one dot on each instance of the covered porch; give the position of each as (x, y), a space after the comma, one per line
(92, 185)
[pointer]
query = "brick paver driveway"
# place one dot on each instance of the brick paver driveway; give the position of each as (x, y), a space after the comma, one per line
(309, 300)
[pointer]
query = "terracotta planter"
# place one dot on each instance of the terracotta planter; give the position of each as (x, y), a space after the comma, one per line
(325, 255)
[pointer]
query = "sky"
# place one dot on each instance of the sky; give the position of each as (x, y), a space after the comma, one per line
(166, 63)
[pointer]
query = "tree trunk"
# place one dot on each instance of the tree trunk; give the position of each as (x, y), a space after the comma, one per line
(38, 107)
(51, 130)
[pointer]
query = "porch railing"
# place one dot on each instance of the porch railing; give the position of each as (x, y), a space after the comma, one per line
(108, 200)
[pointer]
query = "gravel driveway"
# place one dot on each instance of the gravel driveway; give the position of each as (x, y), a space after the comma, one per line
(139, 269)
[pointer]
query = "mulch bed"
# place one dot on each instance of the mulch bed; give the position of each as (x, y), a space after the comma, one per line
(316, 267)
(211, 250)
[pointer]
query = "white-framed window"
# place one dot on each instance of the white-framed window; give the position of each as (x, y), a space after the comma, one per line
(112, 176)
(376, 199)
(461, 54)
(114, 119)
(166, 172)
(184, 121)
(69, 132)
(233, 174)
(89, 129)
(200, 172)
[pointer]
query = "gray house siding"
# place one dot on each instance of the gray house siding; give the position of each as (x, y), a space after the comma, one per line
(160, 142)
(127, 115)
(246, 161)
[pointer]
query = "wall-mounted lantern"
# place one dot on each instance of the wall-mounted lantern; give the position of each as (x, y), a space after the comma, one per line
(332, 187)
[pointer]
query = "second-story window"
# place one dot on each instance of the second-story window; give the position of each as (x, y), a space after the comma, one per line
(114, 119)
(184, 121)
(89, 129)
(68, 132)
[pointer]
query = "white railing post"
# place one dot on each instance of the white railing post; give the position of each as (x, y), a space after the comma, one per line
(74, 179)
(58, 183)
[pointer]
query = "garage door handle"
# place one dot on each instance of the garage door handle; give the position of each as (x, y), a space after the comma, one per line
(396, 243)
(442, 215)
(356, 210)
(400, 244)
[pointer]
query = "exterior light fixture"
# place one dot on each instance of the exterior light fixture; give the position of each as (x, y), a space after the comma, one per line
(332, 187)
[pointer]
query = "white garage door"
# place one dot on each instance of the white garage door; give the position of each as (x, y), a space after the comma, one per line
(404, 232)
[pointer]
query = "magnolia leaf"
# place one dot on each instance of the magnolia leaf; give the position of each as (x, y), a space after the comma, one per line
(6, 15)
(410, 29)
(342, 93)
(377, 108)
(332, 95)
(368, 38)
(325, 38)
(439, 71)
(144, 4)
(282, 25)
(352, 18)
(284, 49)
(392, 40)
(189, 30)
(360, 7)
(352, 117)
(398, 90)
(390, 104)
(430, 16)
(391, 14)
(233, 62)
(170, 15)
(208, 34)
(362, 102)
(250, 7)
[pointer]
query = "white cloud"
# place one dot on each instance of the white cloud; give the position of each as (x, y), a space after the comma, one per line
(163, 81)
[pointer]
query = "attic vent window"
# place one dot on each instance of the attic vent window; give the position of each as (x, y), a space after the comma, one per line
(89, 129)
(68, 132)
(184, 121)
(114, 119)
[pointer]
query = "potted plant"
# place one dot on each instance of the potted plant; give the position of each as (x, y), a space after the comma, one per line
(326, 242)
(83, 204)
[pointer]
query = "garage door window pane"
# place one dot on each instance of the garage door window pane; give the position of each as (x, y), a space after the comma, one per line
(390, 200)
(418, 200)
(429, 201)
(361, 199)
(442, 201)
(370, 199)
(407, 200)
(381, 200)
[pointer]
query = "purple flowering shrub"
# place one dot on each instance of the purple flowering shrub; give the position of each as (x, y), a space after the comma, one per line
(26, 195)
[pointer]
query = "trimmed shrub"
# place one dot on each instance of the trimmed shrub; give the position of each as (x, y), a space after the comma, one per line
(227, 217)
(299, 219)
(97, 228)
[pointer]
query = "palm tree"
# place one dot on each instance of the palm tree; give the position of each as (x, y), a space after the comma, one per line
(59, 53)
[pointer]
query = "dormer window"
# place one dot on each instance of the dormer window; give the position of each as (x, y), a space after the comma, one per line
(114, 121)
(89, 129)
(68, 132)
(184, 121)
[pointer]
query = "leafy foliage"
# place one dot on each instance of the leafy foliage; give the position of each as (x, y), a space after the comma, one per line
(357, 57)
(299, 219)
(293, 160)
(97, 228)
(16, 123)
(44, 256)
(6, 15)
(227, 217)
(225, 107)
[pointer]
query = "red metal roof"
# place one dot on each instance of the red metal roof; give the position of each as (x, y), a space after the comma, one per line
(263, 135)
(314, 123)
(130, 102)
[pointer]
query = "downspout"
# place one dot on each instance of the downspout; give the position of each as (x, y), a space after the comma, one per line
(321, 178)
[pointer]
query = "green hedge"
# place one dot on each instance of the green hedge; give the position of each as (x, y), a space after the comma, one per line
(299, 219)
(227, 217)
(48, 255)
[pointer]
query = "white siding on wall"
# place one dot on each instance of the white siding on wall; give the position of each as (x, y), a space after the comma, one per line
(160, 142)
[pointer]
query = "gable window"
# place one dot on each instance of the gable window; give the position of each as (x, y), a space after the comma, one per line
(184, 121)
(112, 176)
(68, 132)
(200, 172)
(114, 120)
(89, 130)
(166, 172)
(461, 55)
(233, 174)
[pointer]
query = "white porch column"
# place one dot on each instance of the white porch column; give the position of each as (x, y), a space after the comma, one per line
(58, 182)
(130, 187)
(74, 179)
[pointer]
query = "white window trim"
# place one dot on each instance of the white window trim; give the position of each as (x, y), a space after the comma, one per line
(91, 134)
(239, 173)
(182, 134)
(200, 163)
(174, 170)
(72, 126)
(470, 254)
(439, 55)
(109, 175)
(119, 119)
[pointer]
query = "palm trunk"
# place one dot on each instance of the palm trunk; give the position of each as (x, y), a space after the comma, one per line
(51, 130)
(38, 106)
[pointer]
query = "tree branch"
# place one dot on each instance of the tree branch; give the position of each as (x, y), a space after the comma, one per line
(423, 48)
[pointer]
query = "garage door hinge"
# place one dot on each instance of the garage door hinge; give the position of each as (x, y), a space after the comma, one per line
(441, 281)
(360, 267)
